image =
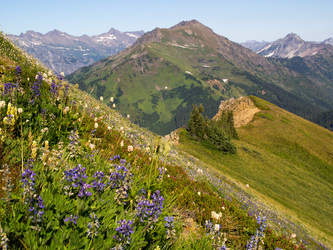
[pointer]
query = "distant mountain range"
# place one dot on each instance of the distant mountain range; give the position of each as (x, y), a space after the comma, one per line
(288, 47)
(62, 52)
(166, 71)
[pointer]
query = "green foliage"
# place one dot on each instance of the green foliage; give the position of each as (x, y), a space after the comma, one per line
(216, 132)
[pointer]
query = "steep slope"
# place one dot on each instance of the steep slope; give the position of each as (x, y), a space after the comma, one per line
(283, 159)
(160, 77)
(62, 52)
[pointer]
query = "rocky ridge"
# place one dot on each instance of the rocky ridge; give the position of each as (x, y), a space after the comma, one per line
(65, 53)
(242, 107)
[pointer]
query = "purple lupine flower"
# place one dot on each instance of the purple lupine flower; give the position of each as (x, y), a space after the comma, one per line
(54, 89)
(150, 210)
(36, 206)
(28, 179)
(72, 219)
(84, 190)
(75, 180)
(18, 70)
(93, 225)
(124, 231)
(8, 88)
(98, 183)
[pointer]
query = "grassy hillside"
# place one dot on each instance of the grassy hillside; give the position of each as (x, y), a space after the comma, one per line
(75, 174)
(287, 162)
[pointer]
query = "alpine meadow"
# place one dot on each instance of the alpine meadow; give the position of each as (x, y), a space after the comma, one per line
(182, 140)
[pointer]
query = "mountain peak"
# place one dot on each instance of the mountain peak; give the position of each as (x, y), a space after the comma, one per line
(187, 23)
(293, 36)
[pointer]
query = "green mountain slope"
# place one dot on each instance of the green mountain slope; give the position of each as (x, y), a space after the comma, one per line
(287, 162)
(160, 77)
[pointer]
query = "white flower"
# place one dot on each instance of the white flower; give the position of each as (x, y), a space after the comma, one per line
(109, 128)
(92, 146)
(199, 171)
(216, 227)
(111, 99)
(122, 144)
(293, 236)
(114, 106)
(130, 148)
(66, 109)
(128, 116)
(247, 185)
(20, 110)
(2, 104)
(199, 193)
(101, 98)
(96, 125)
(62, 73)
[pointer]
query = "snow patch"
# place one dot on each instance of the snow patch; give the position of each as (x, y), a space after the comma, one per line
(102, 38)
(132, 35)
(270, 54)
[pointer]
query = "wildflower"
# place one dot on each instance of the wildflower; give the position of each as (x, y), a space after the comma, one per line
(128, 116)
(4, 239)
(8, 181)
(120, 179)
(18, 70)
(96, 125)
(20, 110)
(169, 225)
(66, 109)
(72, 219)
(199, 193)
(84, 190)
(216, 216)
(293, 236)
(124, 231)
(101, 98)
(130, 148)
(114, 106)
(149, 209)
(36, 206)
(93, 226)
(2, 104)
(111, 99)
(122, 143)
(98, 182)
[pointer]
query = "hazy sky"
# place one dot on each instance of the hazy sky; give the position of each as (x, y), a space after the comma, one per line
(238, 20)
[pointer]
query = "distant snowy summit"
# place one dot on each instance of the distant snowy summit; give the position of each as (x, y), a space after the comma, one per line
(62, 52)
(288, 47)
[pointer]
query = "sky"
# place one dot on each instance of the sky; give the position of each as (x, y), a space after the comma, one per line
(238, 20)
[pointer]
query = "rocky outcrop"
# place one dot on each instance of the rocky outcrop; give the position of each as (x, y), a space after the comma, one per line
(242, 107)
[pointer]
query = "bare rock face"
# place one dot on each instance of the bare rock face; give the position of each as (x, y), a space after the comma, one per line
(242, 107)
(173, 137)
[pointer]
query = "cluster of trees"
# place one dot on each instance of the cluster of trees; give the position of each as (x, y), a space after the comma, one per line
(216, 132)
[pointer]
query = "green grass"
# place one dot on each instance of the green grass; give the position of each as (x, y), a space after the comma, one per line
(288, 164)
